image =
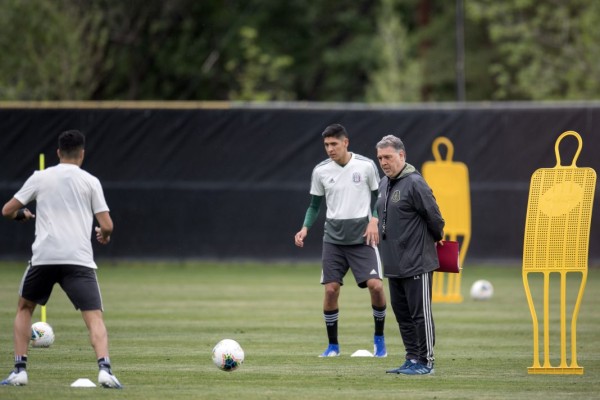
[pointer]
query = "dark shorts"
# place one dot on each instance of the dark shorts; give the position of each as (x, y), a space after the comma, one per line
(363, 260)
(79, 283)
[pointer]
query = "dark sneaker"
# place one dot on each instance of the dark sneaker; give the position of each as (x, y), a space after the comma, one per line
(404, 366)
(418, 369)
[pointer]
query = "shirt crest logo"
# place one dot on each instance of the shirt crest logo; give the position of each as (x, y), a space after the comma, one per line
(356, 177)
(396, 196)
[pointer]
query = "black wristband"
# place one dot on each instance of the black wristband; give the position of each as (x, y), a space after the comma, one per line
(20, 215)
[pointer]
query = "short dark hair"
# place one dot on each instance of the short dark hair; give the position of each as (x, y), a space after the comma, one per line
(335, 130)
(70, 142)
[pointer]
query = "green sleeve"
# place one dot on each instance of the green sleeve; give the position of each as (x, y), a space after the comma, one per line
(374, 195)
(313, 211)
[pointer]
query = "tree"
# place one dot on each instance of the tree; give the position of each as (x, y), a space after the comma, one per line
(336, 51)
(43, 57)
(259, 76)
(398, 77)
(544, 50)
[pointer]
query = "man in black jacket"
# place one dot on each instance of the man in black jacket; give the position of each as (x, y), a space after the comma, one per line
(410, 224)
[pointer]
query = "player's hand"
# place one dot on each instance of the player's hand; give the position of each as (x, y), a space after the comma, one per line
(100, 237)
(28, 215)
(371, 235)
(299, 238)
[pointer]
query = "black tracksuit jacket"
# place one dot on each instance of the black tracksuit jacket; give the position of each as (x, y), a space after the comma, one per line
(413, 223)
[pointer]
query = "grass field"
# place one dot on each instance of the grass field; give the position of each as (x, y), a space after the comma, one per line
(164, 319)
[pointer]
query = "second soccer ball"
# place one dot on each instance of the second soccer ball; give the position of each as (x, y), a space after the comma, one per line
(228, 355)
(42, 335)
(482, 290)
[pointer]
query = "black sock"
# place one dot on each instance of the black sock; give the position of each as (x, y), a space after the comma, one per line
(379, 317)
(20, 363)
(331, 323)
(104, 363)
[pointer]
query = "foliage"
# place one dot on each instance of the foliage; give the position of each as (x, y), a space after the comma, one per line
(343, 50)
(43, 54)
(259, 74)
(399, 76)
(545, 50)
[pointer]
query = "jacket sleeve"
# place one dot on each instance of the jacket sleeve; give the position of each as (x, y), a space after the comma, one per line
(427, 207)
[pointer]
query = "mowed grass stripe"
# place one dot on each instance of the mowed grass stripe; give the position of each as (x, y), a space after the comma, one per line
(164, 319)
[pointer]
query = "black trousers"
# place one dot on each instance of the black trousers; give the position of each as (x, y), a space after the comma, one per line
(411, 302)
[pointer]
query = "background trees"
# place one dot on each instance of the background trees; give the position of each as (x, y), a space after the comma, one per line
(253, 50)
(543, 50)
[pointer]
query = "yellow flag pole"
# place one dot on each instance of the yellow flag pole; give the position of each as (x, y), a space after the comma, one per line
(42, 166)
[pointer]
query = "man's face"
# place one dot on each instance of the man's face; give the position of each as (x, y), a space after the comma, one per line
(391, 161)
(336, 148)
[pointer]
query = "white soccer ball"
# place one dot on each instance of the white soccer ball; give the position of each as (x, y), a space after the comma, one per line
(482, 290)
(42, 335)
(228, 355)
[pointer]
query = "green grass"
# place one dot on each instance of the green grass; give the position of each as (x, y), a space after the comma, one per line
(164, 319)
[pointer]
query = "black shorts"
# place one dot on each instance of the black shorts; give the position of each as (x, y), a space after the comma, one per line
(362, 259)
(79, 283)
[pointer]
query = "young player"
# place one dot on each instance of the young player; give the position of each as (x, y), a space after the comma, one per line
(349, 183)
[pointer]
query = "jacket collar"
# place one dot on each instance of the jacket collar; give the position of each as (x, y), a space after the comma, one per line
(407, 170)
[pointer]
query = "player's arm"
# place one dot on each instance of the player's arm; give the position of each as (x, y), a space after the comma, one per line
(309, 219)
(371, 234)
(16, 210)
(374, 197)
(105, 229)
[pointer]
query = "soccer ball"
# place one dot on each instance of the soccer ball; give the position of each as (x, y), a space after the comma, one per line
(228, 355)
(482, 290)
(42, 335)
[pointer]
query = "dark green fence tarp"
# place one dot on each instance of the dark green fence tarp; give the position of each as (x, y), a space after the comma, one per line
(232, 183)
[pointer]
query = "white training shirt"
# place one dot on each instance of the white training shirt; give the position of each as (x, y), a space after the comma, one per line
(347, 190)
(67, 199)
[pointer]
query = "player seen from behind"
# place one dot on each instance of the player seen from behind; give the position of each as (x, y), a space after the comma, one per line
(67, 200)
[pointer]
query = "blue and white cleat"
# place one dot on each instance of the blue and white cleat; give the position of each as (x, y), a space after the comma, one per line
(108, 380)
(16, 379)
(333, 350)
(379, 349)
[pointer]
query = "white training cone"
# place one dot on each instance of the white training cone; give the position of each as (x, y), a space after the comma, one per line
(362, 353)
(83, 382)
